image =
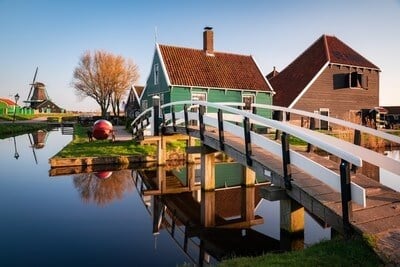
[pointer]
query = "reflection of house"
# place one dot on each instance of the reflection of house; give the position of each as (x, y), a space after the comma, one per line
(179, 74)
(329, 78)
(132, 106)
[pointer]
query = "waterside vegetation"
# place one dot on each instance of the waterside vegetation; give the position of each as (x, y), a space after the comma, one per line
(337, 252)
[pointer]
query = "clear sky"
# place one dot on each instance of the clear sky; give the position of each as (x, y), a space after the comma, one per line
(53, 34)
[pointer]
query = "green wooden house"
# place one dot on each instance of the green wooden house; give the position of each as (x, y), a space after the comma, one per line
(179, 73)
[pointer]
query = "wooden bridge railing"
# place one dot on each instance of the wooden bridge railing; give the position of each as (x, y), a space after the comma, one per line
(228, 118)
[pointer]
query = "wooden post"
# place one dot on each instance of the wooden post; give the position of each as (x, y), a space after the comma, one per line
(310, 147)
(185, 110)
(287, 172)
(345, 186)
(247, 141)
(161, 151)
(357, 141)
(201, 122)
(249, 176)
(247, 203)
(189, 143)
(173, 118)
(156, 114)
(292, 216)
(278, 115)
(221, 130)
(207, 217)
(207, 171)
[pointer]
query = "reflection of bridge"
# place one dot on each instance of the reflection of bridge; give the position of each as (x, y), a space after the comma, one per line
(345, 199)
(207, 223)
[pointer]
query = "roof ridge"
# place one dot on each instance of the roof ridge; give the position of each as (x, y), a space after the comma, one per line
(328, 57)
(201, 50)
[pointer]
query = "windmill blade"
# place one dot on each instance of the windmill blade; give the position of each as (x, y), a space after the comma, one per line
(33, 148)
(32, 84)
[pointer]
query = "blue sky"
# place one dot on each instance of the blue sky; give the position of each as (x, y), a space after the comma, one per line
(53, 34)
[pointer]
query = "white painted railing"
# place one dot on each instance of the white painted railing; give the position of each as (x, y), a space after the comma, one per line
(345, 150)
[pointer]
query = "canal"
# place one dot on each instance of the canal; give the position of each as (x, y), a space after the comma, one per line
(106, 218)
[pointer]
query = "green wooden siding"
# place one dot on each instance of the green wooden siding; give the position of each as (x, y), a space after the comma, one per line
(155, 89)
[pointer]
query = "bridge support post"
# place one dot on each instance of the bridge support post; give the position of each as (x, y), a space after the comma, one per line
(357, 141)
(248, 203)
(161, 176)
(247, 141)
(186, 116)
(207, 216)
(278, 116)
(292, 216)
(287, 172)
(249, 176)
(345, 187)
(310, 147)
(156, 115)
(207, 170)
(221, 130)
(161, 151)
(173, 118)
(202, 127)
(190, 142)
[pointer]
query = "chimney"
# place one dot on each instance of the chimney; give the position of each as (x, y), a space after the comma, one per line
(208, 40)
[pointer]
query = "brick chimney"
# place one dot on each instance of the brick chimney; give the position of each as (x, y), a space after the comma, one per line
(208, 40)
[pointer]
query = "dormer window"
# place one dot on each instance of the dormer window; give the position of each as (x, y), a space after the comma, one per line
(156, 74)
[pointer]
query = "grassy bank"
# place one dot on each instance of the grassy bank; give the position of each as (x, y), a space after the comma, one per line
(337, 252)
(11, 129)
(80, 147)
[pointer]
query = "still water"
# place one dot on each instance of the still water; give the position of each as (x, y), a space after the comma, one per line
(105, 220)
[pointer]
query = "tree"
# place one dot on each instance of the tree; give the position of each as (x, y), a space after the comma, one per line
(105, 78)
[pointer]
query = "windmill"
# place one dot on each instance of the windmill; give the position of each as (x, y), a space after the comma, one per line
(37, 93)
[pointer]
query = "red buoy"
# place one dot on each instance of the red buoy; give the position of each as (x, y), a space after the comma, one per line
(102, 129)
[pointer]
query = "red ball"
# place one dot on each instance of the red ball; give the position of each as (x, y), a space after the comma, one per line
(102, 129)
(103, 174)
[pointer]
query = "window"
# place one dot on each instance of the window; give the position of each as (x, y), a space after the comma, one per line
(247, 100)
(324, 125)
(352, 80)
(156, 74)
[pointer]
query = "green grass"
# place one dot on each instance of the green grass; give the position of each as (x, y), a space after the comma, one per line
(81, 147)
(337, 252)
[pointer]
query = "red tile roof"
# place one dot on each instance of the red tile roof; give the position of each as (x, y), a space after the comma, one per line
(291, 81)
(193, 67)
(8, 101)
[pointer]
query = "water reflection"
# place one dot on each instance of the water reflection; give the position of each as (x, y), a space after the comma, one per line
(103, 187)
(16, 155)
(210, 226)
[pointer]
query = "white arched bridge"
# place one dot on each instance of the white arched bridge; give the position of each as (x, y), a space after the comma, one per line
(332, 190)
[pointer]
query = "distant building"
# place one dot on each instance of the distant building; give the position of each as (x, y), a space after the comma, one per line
(179, 73)
(132, 106)
(329, 78)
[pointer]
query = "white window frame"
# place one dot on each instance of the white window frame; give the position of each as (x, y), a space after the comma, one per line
(253, 99)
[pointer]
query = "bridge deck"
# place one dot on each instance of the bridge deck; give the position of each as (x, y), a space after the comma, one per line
(380, 218)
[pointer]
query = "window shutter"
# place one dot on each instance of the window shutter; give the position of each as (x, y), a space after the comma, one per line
(364, 81)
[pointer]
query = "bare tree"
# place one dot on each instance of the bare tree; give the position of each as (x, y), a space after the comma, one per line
(105, 78)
